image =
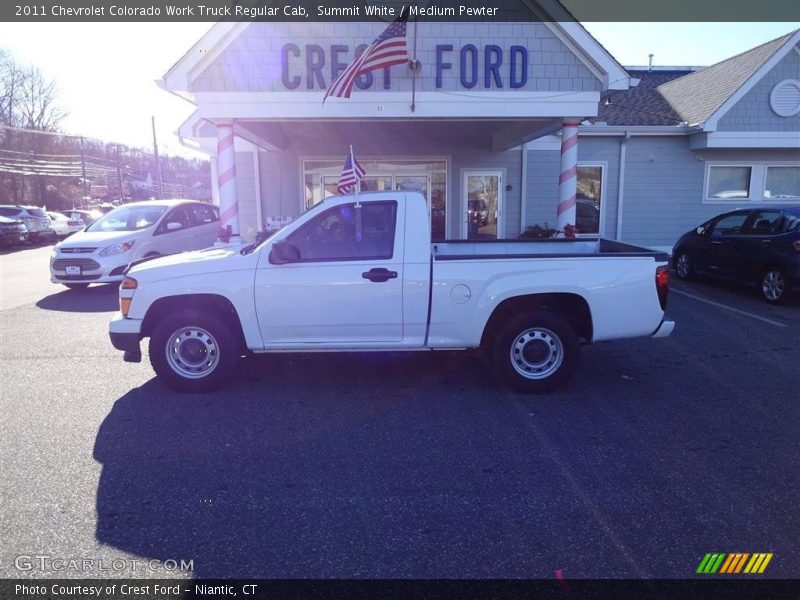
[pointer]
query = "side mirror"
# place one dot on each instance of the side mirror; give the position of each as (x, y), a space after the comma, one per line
(174, 226)
(283, 252)
(700, 230)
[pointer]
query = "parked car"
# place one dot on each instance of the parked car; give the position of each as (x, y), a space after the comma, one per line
(337, 279)
(87, 216)
(756, 246)
(12, 232)
(35, 218)
(63, 225)
(101, 252)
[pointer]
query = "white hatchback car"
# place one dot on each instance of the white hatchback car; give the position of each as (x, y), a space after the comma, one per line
(101, 252)
(64, 225)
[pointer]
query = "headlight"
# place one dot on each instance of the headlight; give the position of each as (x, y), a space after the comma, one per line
(117, 249)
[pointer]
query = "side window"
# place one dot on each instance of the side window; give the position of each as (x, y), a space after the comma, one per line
(729, 224)
(203, 215)
(176, 215)
(339, 234)
(765, 222)
(790, 222)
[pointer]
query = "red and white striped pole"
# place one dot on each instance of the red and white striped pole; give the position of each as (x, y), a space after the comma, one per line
(226, 179)
(568, 177)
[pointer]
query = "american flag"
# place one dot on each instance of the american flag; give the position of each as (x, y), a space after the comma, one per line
(388, 49)
(351, 174)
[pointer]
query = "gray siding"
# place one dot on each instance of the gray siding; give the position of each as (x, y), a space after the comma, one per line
(245, 193)
(753, 112)
(252, 62)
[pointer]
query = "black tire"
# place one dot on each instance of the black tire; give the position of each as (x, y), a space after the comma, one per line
(774, 285)
(684, 268)
(77, 286)
(217, 345)
(547, 364)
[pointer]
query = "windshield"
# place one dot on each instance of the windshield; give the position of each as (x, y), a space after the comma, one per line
(128, 218)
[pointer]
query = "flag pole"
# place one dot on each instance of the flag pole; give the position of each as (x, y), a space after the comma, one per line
(353, 166)
(414, 66)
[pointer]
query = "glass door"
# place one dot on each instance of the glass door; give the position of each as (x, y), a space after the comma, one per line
(482, 200)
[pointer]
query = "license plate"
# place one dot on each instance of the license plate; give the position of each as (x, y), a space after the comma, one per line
(73, 271)
(22, 238)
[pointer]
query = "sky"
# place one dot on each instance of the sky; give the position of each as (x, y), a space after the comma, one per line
(106, 72)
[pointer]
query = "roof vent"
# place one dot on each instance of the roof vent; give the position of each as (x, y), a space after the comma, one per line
(785, 98)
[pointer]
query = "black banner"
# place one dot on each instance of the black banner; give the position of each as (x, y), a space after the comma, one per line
(405, 589)
(387, 10)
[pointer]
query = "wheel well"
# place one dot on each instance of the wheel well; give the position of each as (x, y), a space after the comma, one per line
(211, 303)
(572, 307)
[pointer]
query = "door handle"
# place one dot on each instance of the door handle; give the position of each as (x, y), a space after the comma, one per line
(379, 275)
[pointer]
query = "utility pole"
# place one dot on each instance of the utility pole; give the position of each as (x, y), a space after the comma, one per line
(158, 162)
(83, 172)
(119, 177)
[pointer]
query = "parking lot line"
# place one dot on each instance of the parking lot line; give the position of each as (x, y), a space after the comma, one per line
(736, 310)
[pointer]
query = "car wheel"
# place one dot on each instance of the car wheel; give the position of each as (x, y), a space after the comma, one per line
(774, 285)
(77, 286)
(535, 352)
(683, 266)
(194, 351)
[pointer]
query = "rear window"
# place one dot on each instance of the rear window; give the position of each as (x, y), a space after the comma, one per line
(36, 212)
(9, 211)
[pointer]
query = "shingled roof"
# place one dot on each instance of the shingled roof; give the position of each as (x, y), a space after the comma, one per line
(696, 96)
(640, 105)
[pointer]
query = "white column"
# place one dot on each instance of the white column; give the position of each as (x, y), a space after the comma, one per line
(226, 178)
(568, 176)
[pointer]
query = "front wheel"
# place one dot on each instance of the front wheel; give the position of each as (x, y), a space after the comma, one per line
(535, 353)
(774, 286)
(194, 351)
(683, 266)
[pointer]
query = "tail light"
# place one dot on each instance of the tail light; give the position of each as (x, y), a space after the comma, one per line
(75, 223)
(662, 285)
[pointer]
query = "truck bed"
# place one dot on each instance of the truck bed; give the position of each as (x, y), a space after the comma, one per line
(541, 248)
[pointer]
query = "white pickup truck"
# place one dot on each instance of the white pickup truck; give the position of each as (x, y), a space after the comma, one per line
(361, 274)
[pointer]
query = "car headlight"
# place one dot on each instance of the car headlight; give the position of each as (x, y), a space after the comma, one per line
(117, 249)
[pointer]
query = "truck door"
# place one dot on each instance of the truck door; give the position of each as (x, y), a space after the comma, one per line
(344, 282)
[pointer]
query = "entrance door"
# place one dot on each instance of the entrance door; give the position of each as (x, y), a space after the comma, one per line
(481, 207)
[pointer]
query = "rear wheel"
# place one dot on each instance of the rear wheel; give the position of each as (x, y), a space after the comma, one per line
(683, 266)
(774, 285)
(535, 353)
(194, 351)
(77, 286)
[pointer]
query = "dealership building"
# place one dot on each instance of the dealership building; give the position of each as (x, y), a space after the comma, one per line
(501, 126)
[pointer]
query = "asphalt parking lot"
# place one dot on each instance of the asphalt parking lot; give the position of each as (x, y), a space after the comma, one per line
(405, 465)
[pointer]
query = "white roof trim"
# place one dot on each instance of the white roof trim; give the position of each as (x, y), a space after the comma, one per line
(273, 106)
(711, 122)
(745, 139)
(178, 79)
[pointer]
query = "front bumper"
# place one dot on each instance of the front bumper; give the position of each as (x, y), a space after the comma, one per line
(11, 237)
(125, 335)
(93, 269)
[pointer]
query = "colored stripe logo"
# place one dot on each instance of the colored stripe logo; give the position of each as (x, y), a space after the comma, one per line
(734, 563)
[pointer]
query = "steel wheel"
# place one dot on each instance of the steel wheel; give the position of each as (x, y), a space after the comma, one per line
(192, 352)
(536, 353)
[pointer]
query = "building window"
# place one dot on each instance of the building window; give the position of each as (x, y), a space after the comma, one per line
(729, 182)
(588, 199)
(782, 183)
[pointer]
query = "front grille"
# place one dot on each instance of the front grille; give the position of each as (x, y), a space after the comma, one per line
(77, 250)
(84, 263)
(77, 277)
